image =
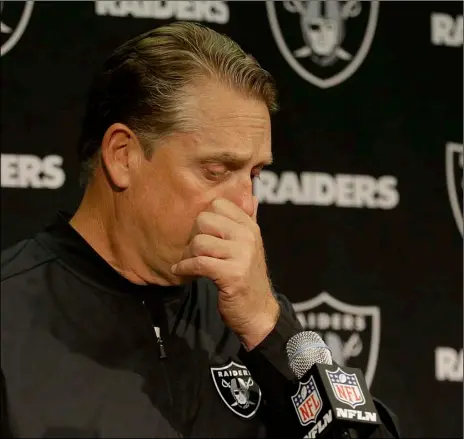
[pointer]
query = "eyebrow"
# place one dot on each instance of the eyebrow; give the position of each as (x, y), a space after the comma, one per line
(228, 157)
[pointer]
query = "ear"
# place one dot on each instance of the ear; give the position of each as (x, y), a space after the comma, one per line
(117, 144)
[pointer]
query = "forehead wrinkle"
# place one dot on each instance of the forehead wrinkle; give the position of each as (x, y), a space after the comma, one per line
(207, 103)
(226, 120)
(229, 130)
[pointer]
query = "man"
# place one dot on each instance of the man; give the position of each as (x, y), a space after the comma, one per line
(149, 312)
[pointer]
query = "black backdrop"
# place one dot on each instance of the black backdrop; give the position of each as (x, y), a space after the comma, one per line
(361, 213)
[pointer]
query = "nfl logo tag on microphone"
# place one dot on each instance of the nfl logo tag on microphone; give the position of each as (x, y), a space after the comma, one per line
(307, 402)
(346, 388)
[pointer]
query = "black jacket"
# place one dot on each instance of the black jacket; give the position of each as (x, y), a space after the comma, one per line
(81, 357)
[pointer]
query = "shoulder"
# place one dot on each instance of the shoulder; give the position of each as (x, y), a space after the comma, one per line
(389, 419)
(22, 273)
(23, 257)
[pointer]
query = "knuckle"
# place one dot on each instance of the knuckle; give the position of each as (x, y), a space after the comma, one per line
(198, 245)
(204, 217)
(217, 203)
(200, 263)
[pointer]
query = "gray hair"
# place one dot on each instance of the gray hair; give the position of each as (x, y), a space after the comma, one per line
(145, 83)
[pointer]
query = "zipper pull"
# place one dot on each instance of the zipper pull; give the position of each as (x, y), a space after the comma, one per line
(159, 340)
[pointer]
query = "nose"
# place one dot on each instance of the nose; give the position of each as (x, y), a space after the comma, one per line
(242, 195)
(246, 203)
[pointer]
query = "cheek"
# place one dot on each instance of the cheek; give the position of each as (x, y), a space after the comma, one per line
(145, 201)
(170, 198)
(187, 193)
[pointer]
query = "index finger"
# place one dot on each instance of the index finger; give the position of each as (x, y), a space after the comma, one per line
(230, 210)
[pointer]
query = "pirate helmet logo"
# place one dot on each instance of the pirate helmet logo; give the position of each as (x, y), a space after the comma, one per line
(334, 39)
(240, 391)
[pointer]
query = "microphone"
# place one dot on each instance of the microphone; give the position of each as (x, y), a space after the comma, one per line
(330, 401)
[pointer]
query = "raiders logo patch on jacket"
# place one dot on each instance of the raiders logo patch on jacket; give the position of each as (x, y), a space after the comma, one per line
(237, 389)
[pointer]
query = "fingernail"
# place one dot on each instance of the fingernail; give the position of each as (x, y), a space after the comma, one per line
(174, 268)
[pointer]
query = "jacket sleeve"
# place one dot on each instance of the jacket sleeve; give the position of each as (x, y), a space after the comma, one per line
(268, 365)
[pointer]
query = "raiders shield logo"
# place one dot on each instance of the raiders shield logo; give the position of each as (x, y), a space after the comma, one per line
(325, 42)
(14, 19)
(346, 388)
(351, 332)
(237, 389)
(454, 180)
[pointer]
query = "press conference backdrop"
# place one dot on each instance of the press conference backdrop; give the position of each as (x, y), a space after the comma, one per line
(361, 213)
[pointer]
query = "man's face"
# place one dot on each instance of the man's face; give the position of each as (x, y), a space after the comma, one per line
(188, 171)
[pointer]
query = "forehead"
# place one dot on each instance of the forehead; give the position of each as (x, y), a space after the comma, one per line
(237, 130)
(227, 119)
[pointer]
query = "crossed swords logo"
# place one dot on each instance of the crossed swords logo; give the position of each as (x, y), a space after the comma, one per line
(343, 351)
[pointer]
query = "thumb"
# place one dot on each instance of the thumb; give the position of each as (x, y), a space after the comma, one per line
(255, 208)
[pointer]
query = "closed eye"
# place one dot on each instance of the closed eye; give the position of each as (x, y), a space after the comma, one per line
(215, 172)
